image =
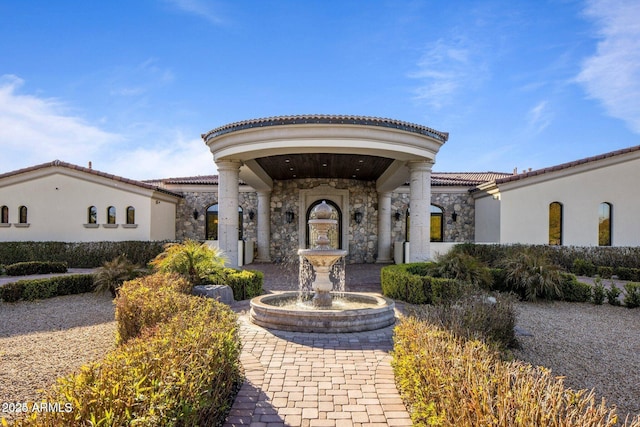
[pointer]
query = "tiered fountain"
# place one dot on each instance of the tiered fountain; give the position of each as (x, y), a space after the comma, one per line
(326, 311)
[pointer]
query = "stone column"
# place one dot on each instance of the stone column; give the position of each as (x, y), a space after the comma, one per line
(384, 227)
(264, 226)
(228, 201)
(420, 203)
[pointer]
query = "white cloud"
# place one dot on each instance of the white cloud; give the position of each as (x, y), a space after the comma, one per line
(446, 68)
(612, 74)
(200, 8)
(36, 130)
(538, 117)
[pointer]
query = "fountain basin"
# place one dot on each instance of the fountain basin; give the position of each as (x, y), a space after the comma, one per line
(282, 312)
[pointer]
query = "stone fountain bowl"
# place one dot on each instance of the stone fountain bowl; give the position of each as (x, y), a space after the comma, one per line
(322, 257)
(280, 311)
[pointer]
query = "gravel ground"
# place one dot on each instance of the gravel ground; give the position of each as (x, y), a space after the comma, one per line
(43, 340)
(593, 346)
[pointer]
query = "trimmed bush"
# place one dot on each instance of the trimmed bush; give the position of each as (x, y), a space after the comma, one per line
(573, 291)
(626, 273)
(613, 294)
(245, 284)
(632, 295)
(598, 293)
(46, 288)
(398, 282)
(449, 381)
(35, 267)
(581, 267)
(605, 272)
(181, 370)
(79, 254)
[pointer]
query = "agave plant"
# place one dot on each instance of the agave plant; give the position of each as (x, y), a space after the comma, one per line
(533, 275)
(112, 274)
(192, 259)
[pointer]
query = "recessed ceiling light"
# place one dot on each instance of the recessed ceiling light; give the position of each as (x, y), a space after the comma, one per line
(324, 164)
(360, 161)
(290, 169)
(287, 160)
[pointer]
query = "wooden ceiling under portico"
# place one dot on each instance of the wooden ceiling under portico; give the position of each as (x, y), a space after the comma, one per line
(324, 165)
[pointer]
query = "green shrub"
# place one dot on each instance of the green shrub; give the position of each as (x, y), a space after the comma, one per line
(572, 290)
(598, 292)
(449, 381)
(626, 273)
(398, 282)
(465, 268)
(182, 371)
(582, 267)
(112, 274)
(35, 267)
(533, 275)
(613, 294)
(632, 295)
(192, 259)
(604, 272)
(46, 288)
(149, 300)
(245, 284)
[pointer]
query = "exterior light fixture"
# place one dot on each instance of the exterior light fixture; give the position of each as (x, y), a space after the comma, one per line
(454, 216)
(289, 216)
(252, 214)
(357, 217)
(195, 214)
(397, 215)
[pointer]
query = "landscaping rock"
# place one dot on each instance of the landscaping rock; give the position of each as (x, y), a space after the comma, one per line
(222, 293)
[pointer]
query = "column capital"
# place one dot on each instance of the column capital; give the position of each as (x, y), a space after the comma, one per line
(420, 165)
(228, 165)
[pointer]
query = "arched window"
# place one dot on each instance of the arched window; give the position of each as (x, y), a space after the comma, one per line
(92, 215)
(555, 223)
(111, 215)
(4, 215)
(211, 224)
(131, 215)
(23, 215)
(604, 224)
(334, 235)
(437, 224)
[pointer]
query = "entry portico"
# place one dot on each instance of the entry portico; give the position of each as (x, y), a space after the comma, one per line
(381, 153)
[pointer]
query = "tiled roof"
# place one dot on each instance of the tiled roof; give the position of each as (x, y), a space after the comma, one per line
(326, 119)
(567, 165)
(58, 163)
(469, 179)
(189, 180)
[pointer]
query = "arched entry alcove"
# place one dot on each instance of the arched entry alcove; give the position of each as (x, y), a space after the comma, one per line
(335, 235)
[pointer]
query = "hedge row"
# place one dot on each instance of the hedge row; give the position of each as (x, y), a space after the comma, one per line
(448, 381)
(79, 254)
(564, 256)
(46, 288)
(245, 284)
(35, 267)
(404, 282)
(182, 369)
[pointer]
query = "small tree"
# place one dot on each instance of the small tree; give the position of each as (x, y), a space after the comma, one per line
(112, 274)
(192, 259)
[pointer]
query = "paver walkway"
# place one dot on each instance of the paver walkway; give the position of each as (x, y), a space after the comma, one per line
(313, 379)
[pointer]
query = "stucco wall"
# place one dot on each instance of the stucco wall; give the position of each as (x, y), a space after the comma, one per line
(57, 206)
(487, 226)
(581, 189)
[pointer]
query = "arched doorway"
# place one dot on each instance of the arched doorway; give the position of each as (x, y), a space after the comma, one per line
(335, 235)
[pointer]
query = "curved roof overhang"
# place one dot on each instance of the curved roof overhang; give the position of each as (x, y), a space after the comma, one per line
(259, 143)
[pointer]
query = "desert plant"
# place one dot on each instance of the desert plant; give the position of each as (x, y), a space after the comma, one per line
(192, 259)
(632, 295)
(613, 294)
(112, 274)
(465, 268)
(598, 292)
(533, 275)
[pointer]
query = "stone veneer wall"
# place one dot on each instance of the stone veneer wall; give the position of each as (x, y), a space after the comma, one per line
(363, 239)
(461, 202)
(187, 227)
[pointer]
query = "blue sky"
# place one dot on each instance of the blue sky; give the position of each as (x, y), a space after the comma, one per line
(131, 85)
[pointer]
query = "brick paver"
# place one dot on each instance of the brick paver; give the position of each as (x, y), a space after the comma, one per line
(313, 379)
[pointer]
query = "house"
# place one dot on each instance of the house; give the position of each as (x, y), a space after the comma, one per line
(374, 173)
